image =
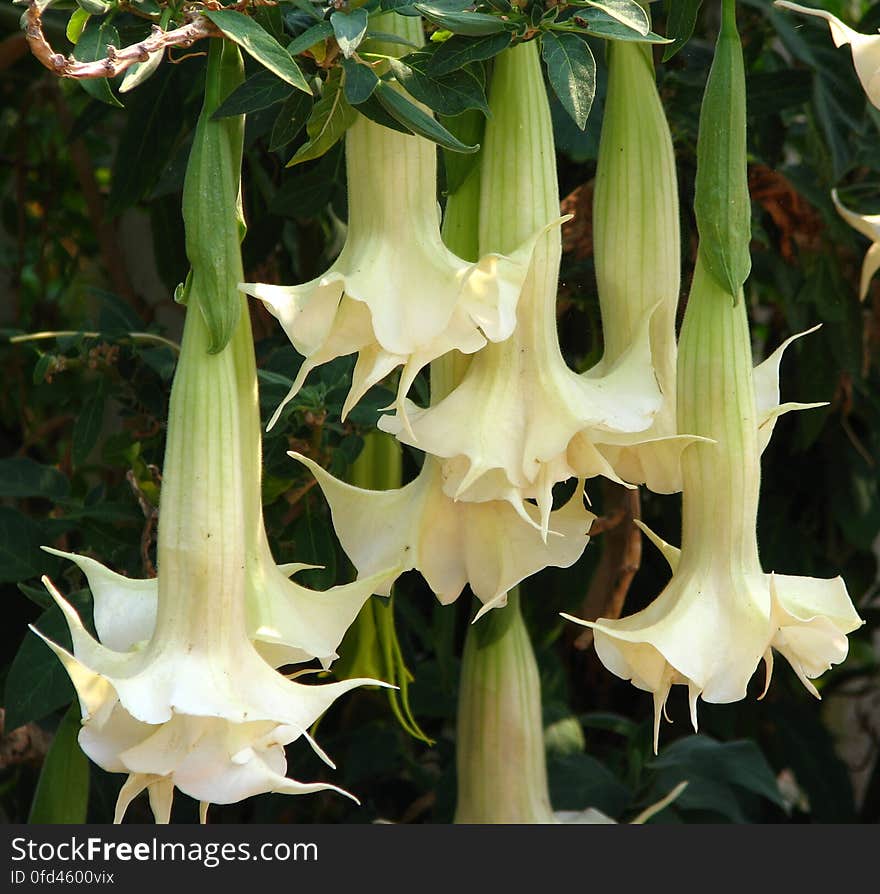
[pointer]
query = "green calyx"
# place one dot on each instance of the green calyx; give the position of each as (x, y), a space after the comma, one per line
(721, 200)
(212, 186)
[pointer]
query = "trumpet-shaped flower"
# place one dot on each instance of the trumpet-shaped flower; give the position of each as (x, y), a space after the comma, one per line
(487, 545)
(865, 47)
(520, 420)
(396, 295)
(173, 691)
(721, 614)
(637, 255)
(868, 225)
(190, 703)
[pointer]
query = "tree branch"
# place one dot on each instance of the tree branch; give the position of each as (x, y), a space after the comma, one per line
(117, 60)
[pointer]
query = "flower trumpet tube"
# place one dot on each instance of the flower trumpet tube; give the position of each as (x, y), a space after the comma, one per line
(636, 250)
(520, 420)
(721, 614)
(179, 696)
(865, 47)
(499, 744)
(396, 295)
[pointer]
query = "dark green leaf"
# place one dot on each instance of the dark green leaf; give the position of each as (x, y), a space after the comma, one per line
(450, 94)
(331, 117)
(349, 29)
(259, 91)
(305, 194)
(291, 120)
(627, 12)
(375, 111)
(401, 7)
(37, 683)
(62, 793)
(314, 545)
(600, 24)
(571, 70)
(360, 81)
(419, 122)
(473, 24)
(92, 45)
(310, 37)
(681, 16)
(459, 51)
(578, 781)
(20, 541)
(20, 476)
(87, 427)
(147, 143)
(259, 44)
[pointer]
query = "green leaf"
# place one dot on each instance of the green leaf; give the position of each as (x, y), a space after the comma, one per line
(149, 139)
(305, 194)
(349, 29)
(259, 91)
(93, 7)
(472, 24)
(20, 477)
(419, 122)
(62, 793)
(290, 121)
(600, 24)
(331, 117)
(721, 194)
(627, 12)
(77, 23)
(20, 541)
(571, 70)
(450, 94)
(259, 44)
(37, 683)
(681, 16)
(314, 545)
(360, 81)
(459, 51)
(375, 111)
(310, 37)
(92, 45)
(87, 427)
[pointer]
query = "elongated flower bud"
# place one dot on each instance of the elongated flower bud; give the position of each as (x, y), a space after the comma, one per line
(636, 251)
(499, 746)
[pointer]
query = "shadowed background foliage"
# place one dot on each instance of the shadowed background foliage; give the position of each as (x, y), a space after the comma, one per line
(91, 247)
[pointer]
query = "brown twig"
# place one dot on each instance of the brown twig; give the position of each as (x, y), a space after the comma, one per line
(117, 60)
(621, 558)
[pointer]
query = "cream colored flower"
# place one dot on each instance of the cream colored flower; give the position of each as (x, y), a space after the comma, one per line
(487, 545)
(721, 614)
(520, 420)
(865, 47)
(184, 699)
(396, 295)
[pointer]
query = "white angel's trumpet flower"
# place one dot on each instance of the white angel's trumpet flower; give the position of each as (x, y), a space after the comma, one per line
(288, 623)
(174, 692)
(721, 614)
(865, 47)
(396, 295)
(636, 250)
(487, 545)
(195, 706)
(499, 745)
(520, 420)
(868, 225)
